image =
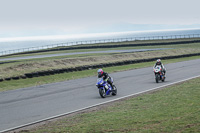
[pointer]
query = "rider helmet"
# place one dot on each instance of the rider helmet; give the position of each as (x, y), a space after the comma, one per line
(100, 72)
(158, 60)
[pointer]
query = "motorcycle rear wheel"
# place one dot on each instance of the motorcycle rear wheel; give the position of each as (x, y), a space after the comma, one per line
(114, 92)
(163, 79)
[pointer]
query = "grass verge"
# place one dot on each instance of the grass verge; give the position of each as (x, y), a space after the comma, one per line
(173, 109)
(22, 83)
(20, 67)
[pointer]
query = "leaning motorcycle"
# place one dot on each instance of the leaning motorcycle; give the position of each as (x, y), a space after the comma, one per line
(105, 88)
(158, 74)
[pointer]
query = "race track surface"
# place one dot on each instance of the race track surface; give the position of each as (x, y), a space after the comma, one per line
(22, 106)
(77, 53)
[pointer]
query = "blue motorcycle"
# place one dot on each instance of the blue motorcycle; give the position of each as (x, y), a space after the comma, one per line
(105, 89)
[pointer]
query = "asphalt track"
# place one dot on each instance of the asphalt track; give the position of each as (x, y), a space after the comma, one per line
(78, 53)
(27, 105)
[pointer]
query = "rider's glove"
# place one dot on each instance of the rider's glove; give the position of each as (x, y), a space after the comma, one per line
(106, 79)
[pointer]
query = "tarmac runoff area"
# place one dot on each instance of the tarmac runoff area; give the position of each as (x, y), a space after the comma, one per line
(77, 53)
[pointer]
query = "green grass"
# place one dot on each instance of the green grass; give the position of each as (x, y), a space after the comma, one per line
(22, 83)
(173, 109)
(19, 67)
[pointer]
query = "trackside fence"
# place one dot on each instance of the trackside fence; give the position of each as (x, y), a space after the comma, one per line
(98, 41)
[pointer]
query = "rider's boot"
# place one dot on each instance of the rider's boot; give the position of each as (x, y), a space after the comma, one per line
(113, 88)
(164, 75)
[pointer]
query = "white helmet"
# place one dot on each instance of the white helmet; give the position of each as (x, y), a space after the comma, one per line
(158, 60)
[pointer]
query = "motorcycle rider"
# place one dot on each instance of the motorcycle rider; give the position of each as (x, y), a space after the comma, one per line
(105, 76)
(159, 63)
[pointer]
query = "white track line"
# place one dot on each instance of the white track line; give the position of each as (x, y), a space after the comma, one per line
(15, 128)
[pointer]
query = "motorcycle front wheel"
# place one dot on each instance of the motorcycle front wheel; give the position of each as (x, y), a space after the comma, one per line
(102, 92)
(157, 78)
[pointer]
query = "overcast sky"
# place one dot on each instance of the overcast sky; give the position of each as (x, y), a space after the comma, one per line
(19, 18)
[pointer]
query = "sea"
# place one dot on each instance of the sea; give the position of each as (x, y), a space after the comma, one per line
(14, 44)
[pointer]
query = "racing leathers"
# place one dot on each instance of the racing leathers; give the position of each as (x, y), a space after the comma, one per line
(163, 70)
(106, 77)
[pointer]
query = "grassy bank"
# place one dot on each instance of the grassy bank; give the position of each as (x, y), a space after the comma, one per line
(19, 67)
(113, 48)
(22, 83)
(173, 109)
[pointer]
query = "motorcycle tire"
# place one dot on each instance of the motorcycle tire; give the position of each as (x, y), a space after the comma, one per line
(157, 78)
(114, 92)
(102, 93)
(163, 79)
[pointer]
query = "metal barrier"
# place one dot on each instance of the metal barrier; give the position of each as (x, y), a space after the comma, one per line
(98, 41)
